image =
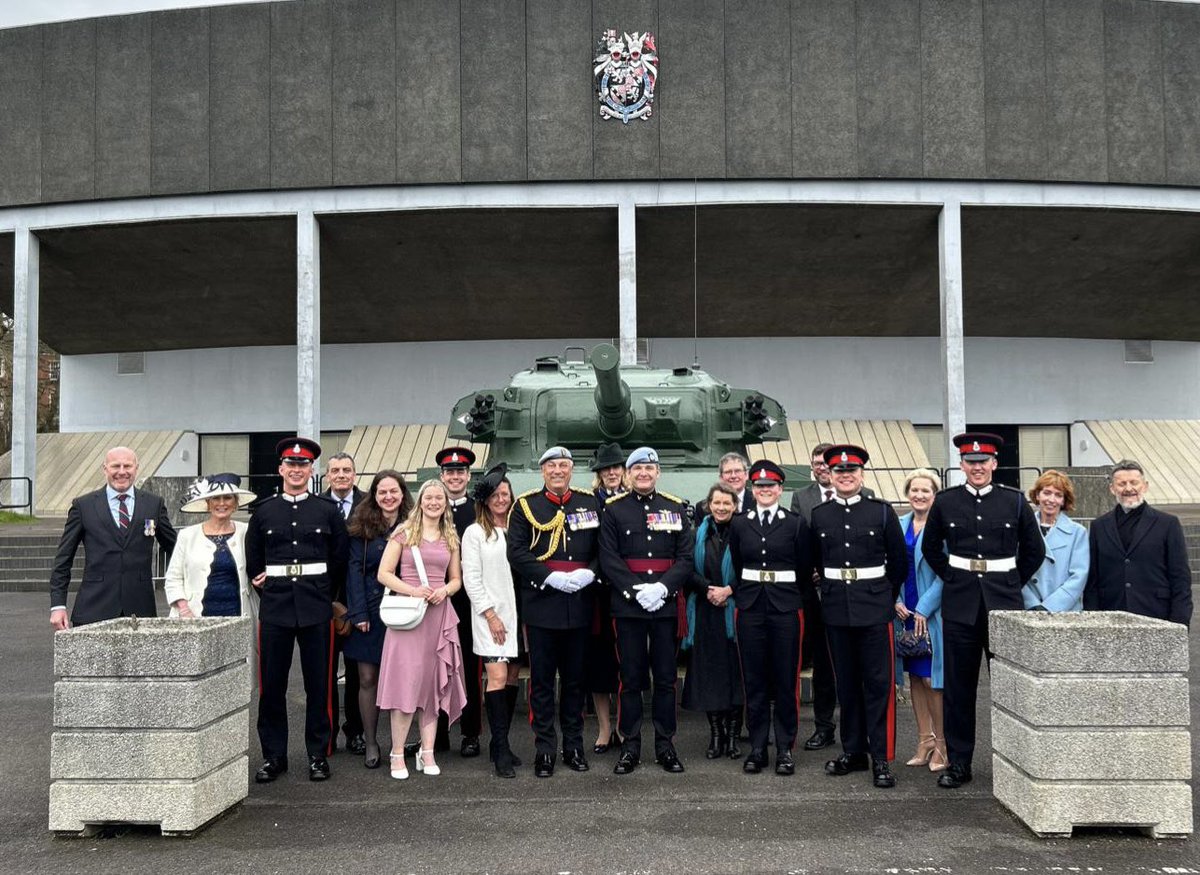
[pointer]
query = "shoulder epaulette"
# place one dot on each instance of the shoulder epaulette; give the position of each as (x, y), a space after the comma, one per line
(674, 498)
(528, 493)
(583, 490)
(616, 497)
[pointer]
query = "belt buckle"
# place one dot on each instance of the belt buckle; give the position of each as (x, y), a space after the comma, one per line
(979, 566)
(294, 570)
(766, 576)
(849, 574)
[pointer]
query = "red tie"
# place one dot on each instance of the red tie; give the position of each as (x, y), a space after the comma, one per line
(122, 511)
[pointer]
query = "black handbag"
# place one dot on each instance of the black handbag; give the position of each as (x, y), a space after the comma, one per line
(908, 645)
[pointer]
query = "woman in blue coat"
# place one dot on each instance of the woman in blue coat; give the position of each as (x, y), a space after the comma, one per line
(1058, 585)
(919, 609)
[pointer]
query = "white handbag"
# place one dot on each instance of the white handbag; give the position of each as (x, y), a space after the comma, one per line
(404, 611)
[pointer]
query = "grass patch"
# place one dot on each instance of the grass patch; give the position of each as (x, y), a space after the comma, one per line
(7, 516)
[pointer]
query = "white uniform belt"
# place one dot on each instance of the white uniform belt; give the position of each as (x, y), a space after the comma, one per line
(763, 576)
(296, 569)
(872, 573)
(983, 566)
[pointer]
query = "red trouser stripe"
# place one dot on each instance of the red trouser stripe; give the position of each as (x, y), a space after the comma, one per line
(799, 650)
(529, 686)
(891, 712)
(620, 683)
(330, 690)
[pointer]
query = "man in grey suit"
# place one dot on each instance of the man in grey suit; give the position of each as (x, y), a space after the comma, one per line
(117, 526)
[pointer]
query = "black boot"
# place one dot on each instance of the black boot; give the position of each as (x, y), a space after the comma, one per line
(733, 723)
(497, 715)
(718, 740)
(510, 700)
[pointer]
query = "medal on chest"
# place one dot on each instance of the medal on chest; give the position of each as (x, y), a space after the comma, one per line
(664, 521)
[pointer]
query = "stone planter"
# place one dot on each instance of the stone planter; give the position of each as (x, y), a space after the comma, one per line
(151, 723)
(1090, 721)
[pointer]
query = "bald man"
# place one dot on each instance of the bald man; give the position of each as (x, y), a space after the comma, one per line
(117, 525)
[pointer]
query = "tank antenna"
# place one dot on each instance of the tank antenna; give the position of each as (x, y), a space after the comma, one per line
(695, 281)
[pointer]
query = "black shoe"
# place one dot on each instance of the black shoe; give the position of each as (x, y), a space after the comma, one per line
(470, 746)
(412, 748)
(356, 744)
(613, 741)
(955, 776)
(754, 763)
(626, 763)
(883, 774)
(271, 769)
(818, 740)
(669, 760)
(847, 763)
(543, 765)
(718, 737)
(733, 729)
(784, 764)
(516, 760)
(574, 760)
(371, 757)
(318, 768)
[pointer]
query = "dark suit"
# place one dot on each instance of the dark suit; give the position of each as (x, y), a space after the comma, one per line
(353, 722)
(770, 620)
(117, 575)
(1151, 577)
(471, 721)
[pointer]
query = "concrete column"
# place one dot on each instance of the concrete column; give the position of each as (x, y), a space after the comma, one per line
(627, 273)
(26, 267)
(308, 325)
(954, 404)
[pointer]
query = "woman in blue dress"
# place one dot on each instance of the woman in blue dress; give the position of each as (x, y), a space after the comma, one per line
(919, 610)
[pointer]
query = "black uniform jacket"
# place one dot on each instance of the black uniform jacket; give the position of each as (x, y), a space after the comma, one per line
(541, 530)
(859, 532)
(647, 530)
(464, 515)
(289, 529)
(993, 523)
(781, 546)
(1151, 578)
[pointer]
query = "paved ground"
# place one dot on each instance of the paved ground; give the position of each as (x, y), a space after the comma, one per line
(711, 819)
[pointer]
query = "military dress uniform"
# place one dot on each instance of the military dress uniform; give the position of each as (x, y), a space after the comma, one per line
(860, 555)
(471, 721)
(646, 538)
(547, 533)
(985, 545)
(771, 565)
(300, 542)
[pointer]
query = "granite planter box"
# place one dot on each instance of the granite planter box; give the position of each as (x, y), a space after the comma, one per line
(1090, 721)
(151, 723)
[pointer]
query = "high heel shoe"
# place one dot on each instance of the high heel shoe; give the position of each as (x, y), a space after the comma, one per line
(430, 768)
(938, 761)
(400, 774)
(925, 750)
(603, 747)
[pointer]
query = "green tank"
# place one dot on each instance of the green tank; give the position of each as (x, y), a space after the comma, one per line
(580, 401)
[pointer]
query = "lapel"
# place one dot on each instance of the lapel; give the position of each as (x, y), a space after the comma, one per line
(1149, 521)
(104, 513)
(1108, 528)
(755, 521)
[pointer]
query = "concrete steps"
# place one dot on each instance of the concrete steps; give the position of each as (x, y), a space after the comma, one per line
(26, 559)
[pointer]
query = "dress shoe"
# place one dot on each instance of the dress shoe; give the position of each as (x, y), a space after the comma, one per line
(938, 760)
(427, 764)
(271, 769)
(399, 767)
(755, 763)
(669, 760)
(356, 744)
(543, 765)
(574, 760)
(924, 752)
(955, 776)
(883, 774)
(847, 763)
(470, 746)
(410, 749)
(603, 747)
(318, 768)
(626, 763)
(784, 764)
(818, 740)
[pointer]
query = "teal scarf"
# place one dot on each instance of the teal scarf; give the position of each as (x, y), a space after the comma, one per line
(726, 580)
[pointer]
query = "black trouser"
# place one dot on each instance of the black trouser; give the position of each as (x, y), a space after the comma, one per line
(646, 646)
(351, 715)
(964, 643)
(769, 646)
(864, 663)
(556, 652)
(471, 721)
(276, 644)
(815, 655)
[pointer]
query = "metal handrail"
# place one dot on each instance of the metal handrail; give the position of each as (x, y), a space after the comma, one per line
(28, 491)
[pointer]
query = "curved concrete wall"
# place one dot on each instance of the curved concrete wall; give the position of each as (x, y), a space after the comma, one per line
(318, 93)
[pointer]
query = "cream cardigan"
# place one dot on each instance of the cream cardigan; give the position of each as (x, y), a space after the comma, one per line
(191, 561)
(488, 581)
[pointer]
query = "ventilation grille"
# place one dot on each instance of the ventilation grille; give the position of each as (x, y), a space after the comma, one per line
(1139, 352)
(131, 363)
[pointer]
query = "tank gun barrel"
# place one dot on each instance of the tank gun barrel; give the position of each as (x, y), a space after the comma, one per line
(613, 403)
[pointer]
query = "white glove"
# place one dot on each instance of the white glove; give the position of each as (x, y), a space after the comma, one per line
(651, 596)
(561, 581)
(581, 577)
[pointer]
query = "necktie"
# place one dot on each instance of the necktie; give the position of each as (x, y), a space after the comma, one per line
(345, 508)
(766, 517)
(828, 494)
(122, 511)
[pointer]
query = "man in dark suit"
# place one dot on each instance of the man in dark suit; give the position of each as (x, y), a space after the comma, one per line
(117, 526)
(1139, 556)
(339, 474)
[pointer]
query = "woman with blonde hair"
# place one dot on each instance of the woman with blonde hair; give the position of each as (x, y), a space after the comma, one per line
(919, 610)
(1058, 584)
(421, 669)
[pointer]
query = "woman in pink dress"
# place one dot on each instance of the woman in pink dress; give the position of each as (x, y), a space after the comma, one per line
(421, 668)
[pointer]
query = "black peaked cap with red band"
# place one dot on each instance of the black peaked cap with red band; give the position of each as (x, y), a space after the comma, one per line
(846, 456)
(454, 457)
(978, 446)
(766, 472)
(298, 449)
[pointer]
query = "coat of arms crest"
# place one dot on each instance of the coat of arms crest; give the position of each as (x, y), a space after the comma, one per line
(626, 72)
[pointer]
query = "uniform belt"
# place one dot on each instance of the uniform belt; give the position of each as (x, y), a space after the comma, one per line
(297, 569)
(872, 573)
(564, 565)
(983, 566)
(763, 576)
(641, 566)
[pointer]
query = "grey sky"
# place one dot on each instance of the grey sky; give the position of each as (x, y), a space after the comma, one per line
(14, 13)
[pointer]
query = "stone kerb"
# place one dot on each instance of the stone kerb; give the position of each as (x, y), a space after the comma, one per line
(151, 723)
(1091, 721)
